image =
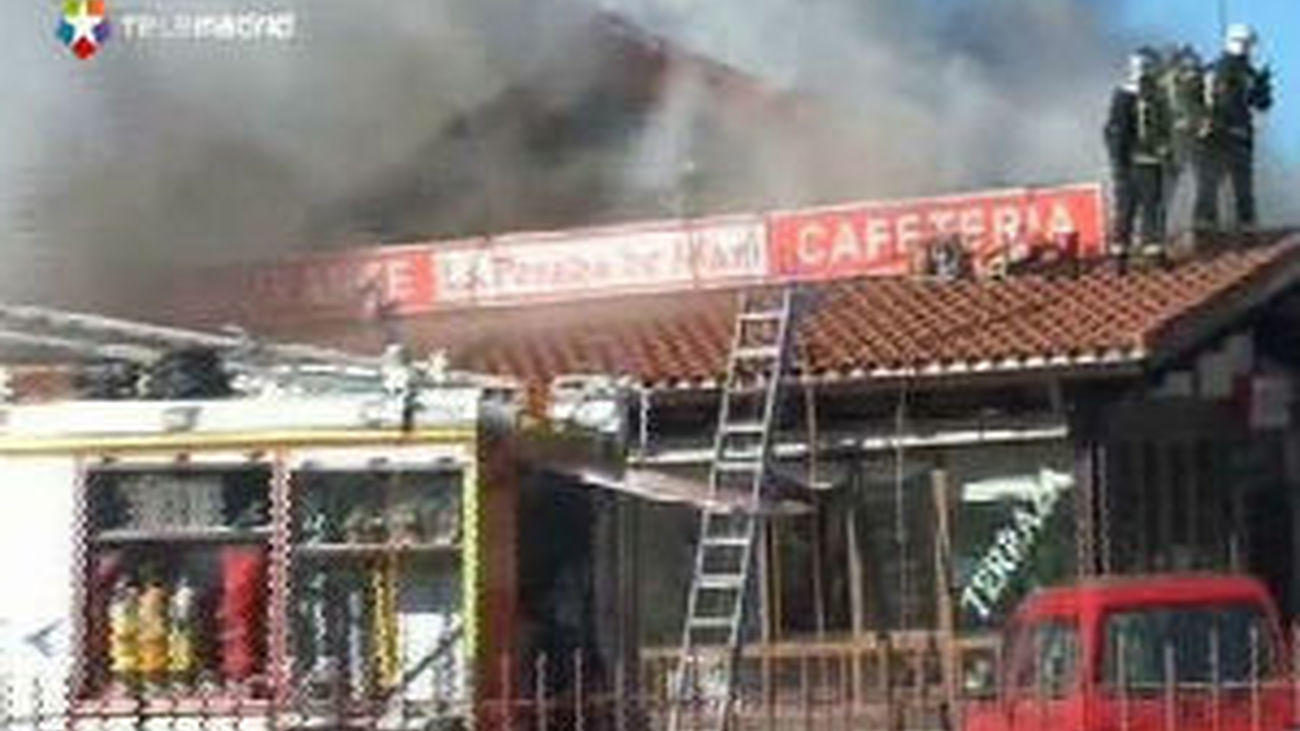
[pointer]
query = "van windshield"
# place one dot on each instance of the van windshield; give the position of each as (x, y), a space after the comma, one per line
(1229, 643)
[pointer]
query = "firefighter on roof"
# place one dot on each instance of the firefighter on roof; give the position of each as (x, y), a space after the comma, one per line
(1234, 91)
(1182, 79)
(1137, 140)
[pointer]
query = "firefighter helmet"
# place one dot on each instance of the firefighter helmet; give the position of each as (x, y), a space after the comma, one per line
(1142, 64)
(1240, 39)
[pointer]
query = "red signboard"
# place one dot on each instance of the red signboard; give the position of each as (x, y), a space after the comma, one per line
(348, 284)
(859, 239)
(880, 238)
(399, 278)
(599, 262)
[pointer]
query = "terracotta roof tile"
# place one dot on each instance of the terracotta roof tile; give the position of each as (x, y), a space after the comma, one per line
(870, 326)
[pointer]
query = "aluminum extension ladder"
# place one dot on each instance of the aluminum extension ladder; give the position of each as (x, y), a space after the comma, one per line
(722, 576)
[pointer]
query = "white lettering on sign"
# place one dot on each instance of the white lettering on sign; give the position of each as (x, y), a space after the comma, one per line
(399, 278)
(531, 267)
(868, 238)
(972, 224)
(880, 243)
(909, 231)
(879, 239)
(810, 251)
(1006, 223)
(1014, 543)
(943, 221)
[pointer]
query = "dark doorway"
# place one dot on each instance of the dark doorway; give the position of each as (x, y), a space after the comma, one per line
(1268, 517)
(555, 576)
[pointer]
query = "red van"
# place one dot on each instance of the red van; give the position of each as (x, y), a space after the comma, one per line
(1149, 653)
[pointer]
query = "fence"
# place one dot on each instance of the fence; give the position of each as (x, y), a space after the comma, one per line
(898, 680)
(898, 683)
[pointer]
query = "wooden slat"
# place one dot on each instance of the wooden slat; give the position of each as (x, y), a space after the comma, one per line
(947, 619)
(902, 641)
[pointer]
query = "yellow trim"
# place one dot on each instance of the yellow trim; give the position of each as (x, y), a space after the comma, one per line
(232, 440)
(384, 581)
(471, 569)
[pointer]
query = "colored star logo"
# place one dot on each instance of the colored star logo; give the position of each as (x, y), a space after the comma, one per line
(84, 27)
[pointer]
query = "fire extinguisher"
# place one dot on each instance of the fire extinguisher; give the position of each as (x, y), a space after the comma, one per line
(243, 583)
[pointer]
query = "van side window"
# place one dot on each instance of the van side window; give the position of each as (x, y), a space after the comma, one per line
(1148, 647)
(1058, 658)
(1045, 658)
(1020, 658)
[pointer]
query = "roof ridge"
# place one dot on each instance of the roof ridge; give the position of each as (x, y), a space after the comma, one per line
(892, 328)
(1278, 270)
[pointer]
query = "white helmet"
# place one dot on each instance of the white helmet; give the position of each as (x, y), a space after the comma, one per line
(1239, 39)
(1141, 64)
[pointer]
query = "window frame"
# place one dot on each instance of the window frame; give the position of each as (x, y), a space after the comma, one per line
(1027, 641)
(1269, 641)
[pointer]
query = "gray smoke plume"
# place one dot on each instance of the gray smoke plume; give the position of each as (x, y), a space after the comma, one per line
(164, 156)
(1278, 182)
(923, 97)
(920, 98)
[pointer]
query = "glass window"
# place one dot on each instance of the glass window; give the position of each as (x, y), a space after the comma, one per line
(1146, 647)
(1013, 530)
(376, 592)
(176, 578)
(1058, 656)
(1020, 657)
(1044, 658)
(180, 561)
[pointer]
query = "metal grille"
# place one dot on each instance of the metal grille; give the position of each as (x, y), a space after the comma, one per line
(1222, 681)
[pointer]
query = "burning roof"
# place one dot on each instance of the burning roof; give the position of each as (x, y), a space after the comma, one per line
(860, 329)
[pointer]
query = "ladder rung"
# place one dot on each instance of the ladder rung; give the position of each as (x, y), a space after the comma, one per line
(740, 454)
(726, 541)
(755, 373)
(727, 582)
(726, 525)
(747, 388)
(714, 623)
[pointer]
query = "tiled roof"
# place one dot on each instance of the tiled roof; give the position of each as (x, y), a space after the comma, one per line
(883, 327)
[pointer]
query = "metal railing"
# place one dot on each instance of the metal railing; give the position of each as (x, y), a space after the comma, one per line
(909, 681)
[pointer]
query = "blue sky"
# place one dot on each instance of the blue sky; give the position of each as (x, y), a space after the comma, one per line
(1278, 23)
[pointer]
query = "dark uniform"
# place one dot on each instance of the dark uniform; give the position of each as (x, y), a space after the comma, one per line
(1183, 80)
(1234, 91)
(1137, 140)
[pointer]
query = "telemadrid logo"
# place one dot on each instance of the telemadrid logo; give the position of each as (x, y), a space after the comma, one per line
(84, 27)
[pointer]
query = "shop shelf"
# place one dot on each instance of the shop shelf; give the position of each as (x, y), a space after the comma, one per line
(197, 534)
(196, 704)
(367, 550)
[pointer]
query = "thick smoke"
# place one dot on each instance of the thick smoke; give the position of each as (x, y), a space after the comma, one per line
(924, 97)
(921, 97)
(1278, 180)
(164, 156)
